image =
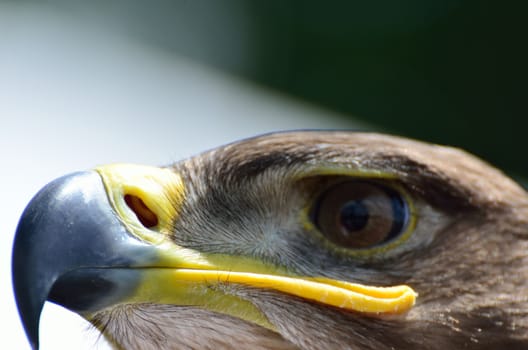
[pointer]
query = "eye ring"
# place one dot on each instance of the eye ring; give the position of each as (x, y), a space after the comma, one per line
(358, 214)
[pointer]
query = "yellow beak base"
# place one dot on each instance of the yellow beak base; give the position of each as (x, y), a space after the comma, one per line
(185, 277)
(340, 294)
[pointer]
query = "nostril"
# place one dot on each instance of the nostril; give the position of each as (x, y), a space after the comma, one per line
(146, 216)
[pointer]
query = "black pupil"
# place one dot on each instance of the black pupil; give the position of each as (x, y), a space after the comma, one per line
(354, 216)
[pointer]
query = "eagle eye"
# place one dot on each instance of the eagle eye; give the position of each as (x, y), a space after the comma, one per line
(360, 214)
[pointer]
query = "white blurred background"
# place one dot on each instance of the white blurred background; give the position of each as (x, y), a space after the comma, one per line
(77, 91)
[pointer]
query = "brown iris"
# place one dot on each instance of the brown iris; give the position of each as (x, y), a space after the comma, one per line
(360, 214)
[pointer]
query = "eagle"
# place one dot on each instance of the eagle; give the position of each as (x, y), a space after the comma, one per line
(289, 240)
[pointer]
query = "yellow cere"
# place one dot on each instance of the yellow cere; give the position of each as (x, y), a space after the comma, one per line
(161, 190)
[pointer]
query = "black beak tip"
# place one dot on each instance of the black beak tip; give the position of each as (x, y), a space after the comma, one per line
(36, 262)
(67, 230)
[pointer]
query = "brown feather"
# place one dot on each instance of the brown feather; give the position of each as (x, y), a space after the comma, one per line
(470, 268)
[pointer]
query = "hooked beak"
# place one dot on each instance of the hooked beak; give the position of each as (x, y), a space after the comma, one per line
(94, 239)
(49, 250)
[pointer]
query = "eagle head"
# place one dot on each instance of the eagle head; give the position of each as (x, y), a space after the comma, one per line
(297, 240)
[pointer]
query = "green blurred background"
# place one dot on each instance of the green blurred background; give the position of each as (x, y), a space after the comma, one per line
(451, 72)
(446, 71)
